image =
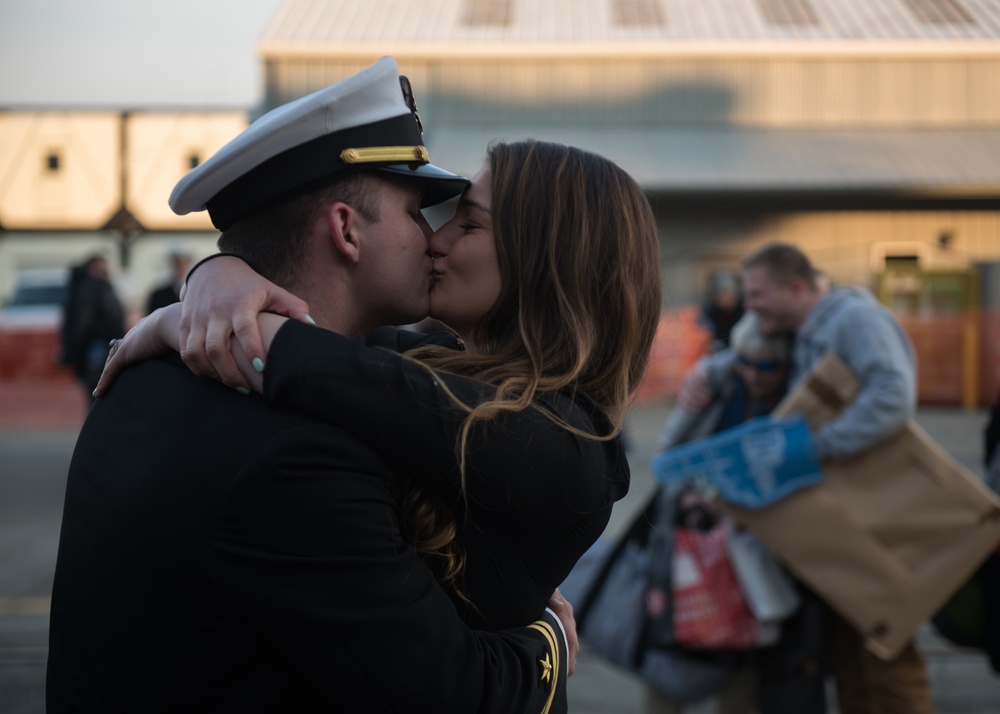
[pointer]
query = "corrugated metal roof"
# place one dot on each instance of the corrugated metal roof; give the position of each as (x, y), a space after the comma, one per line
(959, 161)
(336, 27)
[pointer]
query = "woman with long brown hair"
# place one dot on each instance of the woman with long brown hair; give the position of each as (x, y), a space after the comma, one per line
(509, 449)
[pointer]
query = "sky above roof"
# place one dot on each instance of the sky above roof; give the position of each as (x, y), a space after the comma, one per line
(202, 53)
(131, 53)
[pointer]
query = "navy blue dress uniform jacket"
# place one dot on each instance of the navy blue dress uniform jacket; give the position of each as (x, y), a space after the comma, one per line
(218, 555)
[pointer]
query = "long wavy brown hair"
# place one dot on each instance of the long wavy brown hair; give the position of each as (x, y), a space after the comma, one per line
(578, 251)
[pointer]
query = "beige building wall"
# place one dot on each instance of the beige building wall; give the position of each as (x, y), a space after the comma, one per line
(850, 246)
(870, 86)
(59, 170)
(62, 178)
(162, 147)
(67, 170)
(819, 87)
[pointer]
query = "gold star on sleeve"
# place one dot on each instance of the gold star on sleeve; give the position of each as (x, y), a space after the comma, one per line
(546, 668)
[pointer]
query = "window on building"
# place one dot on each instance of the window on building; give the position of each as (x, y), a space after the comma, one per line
(940, 12)
(638, 13)
(490, 13)
(193, 160)
(53, 162)
(789, 13)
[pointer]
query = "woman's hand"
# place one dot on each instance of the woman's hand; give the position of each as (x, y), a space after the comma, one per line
(223, 297)
(153, 335)
(564, 611)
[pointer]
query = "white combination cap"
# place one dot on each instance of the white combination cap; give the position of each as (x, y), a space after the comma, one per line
(367, 122)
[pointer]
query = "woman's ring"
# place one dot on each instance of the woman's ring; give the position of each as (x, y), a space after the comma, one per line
(114, 347)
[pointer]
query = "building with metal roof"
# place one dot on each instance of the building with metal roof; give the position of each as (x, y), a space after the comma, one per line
(775, 106)
(866, 131)
(760, 99)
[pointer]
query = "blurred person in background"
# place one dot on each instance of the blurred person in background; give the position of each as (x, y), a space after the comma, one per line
(723, 307)
(789, 296)
(181, 259)
(989, 571)
(92, 317)
(749, 382)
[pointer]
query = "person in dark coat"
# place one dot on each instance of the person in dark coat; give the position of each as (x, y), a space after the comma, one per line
(221, 555)
(787, 676)
(169, 292)
(989, 571)
(723, 308)
(92, 317)
(70, 353)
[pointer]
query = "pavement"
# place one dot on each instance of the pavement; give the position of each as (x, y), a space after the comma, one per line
(38, 426)
(55, 404)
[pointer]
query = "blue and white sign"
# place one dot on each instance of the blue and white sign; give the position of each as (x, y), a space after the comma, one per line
(753, 465)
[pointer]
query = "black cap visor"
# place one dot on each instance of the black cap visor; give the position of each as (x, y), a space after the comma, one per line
(308, 165)
(439, 185)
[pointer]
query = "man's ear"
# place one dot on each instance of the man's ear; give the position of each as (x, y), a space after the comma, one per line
(344, 225)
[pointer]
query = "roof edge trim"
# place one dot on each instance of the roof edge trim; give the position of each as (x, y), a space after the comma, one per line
(666, 49)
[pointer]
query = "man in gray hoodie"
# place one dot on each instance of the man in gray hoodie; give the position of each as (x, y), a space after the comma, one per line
(780, 287)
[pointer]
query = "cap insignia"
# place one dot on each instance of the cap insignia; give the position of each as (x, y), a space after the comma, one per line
(410, 101)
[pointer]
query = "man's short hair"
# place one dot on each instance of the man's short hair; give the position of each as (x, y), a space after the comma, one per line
(275, 240)
(782, 261)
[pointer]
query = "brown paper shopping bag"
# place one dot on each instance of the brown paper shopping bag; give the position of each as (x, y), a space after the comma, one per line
(889, 534)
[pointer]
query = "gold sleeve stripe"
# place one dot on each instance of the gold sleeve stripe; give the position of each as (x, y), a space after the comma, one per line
(550, 635)
(369, 154)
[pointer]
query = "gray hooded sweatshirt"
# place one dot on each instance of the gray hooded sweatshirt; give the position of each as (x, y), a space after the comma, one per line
(849, 322)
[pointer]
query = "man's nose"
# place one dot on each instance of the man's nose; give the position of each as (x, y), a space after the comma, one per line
(437, 246)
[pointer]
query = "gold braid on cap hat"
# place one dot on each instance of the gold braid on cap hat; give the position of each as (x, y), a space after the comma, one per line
(406, 154)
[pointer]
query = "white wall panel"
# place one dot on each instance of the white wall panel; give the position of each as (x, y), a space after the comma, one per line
(161, 147)
(79, 189)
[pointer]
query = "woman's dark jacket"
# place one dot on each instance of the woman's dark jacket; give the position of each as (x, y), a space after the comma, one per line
(538, 496)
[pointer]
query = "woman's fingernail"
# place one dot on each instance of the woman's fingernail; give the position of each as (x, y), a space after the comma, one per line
(310, 320)
(258, 364)
(94, 394)
(243, 390)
